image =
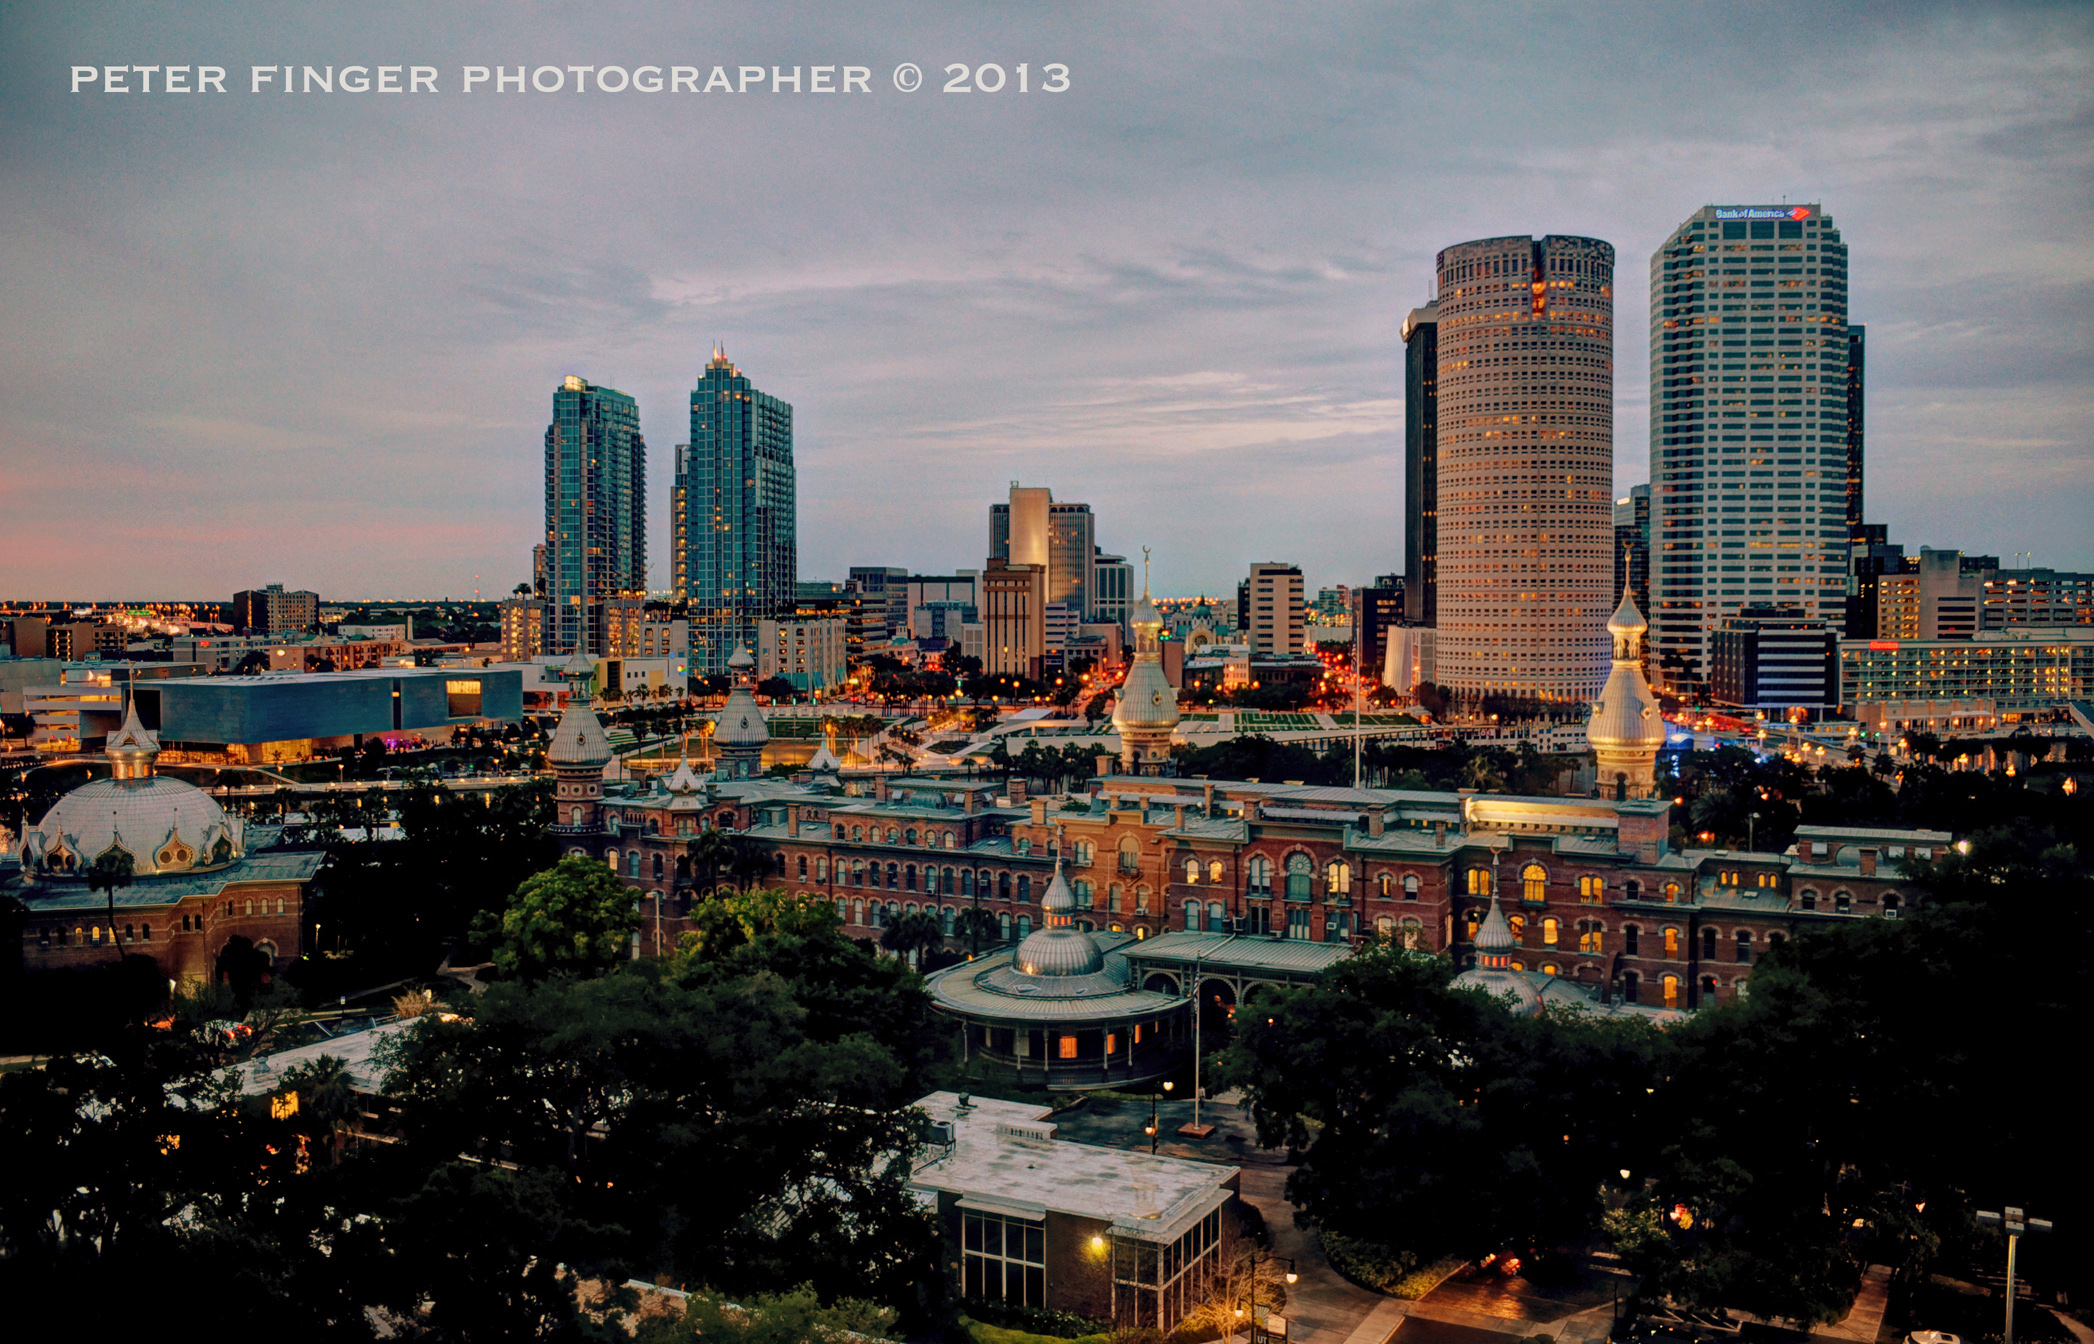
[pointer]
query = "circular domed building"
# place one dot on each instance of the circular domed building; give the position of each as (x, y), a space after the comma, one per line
(1493, 971)
(1062, 1007)
(193, 882)
(1626, 730)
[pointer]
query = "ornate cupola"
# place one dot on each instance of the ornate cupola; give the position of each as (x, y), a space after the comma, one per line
(739, 734)
(1626, 730)
(578, 755)
(1146, 713)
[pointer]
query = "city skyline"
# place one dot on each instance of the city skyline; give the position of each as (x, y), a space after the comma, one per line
(1203, 331)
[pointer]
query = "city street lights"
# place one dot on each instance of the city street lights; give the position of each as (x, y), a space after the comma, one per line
(1154, 1119)
(2016, 1224)
(1255, 1331)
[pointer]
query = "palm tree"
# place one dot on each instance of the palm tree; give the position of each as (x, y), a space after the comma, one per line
(912, 933)
(325, 1094)
(975, 923)
(111, 873)
(711, 854)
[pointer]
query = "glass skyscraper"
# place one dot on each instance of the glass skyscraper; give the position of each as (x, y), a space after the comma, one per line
(737, 514)
(1421, 464)
(1754, 454)
(595, 510)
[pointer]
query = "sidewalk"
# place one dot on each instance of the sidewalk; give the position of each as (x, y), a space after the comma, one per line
(1865, 1318)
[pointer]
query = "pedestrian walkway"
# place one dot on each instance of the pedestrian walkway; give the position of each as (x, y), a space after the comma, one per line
(1865, 1318)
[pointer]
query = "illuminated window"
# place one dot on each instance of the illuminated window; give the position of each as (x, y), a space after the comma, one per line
(1479, 881)
(1534, 882)
(1192, 870)
(1068, 1047)
(1590, 889)
(1548, 933)
(1672, 893)
(1672, 991)
(1672, 943)
(1519, 926)
(1338, 878)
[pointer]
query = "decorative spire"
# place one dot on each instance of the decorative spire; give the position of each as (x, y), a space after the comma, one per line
(1494, 940)
(131, 749)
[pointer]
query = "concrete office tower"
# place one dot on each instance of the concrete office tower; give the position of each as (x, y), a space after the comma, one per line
(1274, 618)
(1751, 444)
(1526, 466)
(739, 502)
(595, 510)
(1421, 463)
(1032, 529)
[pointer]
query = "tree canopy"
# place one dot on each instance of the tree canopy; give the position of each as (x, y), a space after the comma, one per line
(575, 918)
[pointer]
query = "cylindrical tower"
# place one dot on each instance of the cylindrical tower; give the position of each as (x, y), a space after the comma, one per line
(1526, 466)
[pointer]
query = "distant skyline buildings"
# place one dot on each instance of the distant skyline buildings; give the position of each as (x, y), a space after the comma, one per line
(736, 498)
(595, 509)
(1525, 482)
(1755, 448)
(1421, 484)
(1032, 528)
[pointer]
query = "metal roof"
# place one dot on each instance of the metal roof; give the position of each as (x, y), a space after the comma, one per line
(276, 866)
(1292, 956)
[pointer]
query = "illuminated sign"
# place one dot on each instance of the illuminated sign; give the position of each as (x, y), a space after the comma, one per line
(1763, 212)
(1883, 646)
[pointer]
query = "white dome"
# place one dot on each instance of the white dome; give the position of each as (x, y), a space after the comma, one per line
(1146, 698)
(741, 722)
(165, 825)
(579, 740)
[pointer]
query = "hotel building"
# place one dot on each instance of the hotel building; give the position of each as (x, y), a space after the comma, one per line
(595, 511)
(1525, 440)
(736, 501)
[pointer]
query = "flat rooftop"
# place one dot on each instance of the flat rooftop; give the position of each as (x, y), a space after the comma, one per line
(1006, 1160)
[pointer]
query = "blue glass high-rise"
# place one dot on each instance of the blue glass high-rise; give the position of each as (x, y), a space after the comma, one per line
(737, 512)
(595, 510)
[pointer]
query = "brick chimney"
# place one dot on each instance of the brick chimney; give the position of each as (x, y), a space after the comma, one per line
(1804, 849)
(1375, 821)
(971, 801)
(880, 789)
(1868, 862)
(1439, 835)
(1178, 816)
(1039, 811)
(1017, 794)
(1104, 765)
(1207, 798)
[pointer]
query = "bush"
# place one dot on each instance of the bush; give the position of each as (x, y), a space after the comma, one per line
(1384, 1269)
(1035, 1320)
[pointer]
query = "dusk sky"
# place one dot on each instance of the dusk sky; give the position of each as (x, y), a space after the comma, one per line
(313, 339)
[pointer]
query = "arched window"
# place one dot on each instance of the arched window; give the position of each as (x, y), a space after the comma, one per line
(821, 868)
(893, 876)
(857, 833)
(1809, 900)
(1708, 944)
(1130, 855)
(1632, 890)
(1549, 968)
(1003, 886)
(574, 816)
(1744, 945)
(1024, 888)
(1708, 989)
(1214, 871)
(1385, 926)
(1479, 881)
(1628, 941)
(1890, 905)
(1775, 940)
(909, 877)
(893, 836)
(632, 864)
(145, 933)
(857, 872)
(1548, 933)
(1217, 917)
(1192, 871)
(1260, 873)
(1083, 892)
(1384, 886)
(1592, 936)
(911, 835)
(1842, 903)
(249, 908)
(1192, 916)
(1672, 893)
(1629, 986)
(841, 832)
(1769, 880)
(1727, 878)
(1086, 853)
(658, 867)
(1475, 920)
(280, 904)
(1410, 886)
(950, 841)
(1337, 878)
(1003, 925)
(1590, 889)
(858, 912)
(1300, 872)
(1534, 883)
(1413, 934)
(930, 879)
(1519, 927)
(945, 921)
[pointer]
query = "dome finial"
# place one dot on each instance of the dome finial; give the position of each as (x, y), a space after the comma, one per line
(131, 749)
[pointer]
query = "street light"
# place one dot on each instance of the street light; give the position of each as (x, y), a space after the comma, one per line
(2016, 1224)
(1292, 1278)
(1154, 1122)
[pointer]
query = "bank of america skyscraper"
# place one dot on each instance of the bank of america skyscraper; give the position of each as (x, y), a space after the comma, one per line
(1752, 454)
(595, 510)
(736, 514)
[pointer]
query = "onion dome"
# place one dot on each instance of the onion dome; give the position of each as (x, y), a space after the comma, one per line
(741, 722)
(1058, 947)
(1146, 699)
(1493, 971)
(166, 825)
(1625, 719)
(579, 742)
